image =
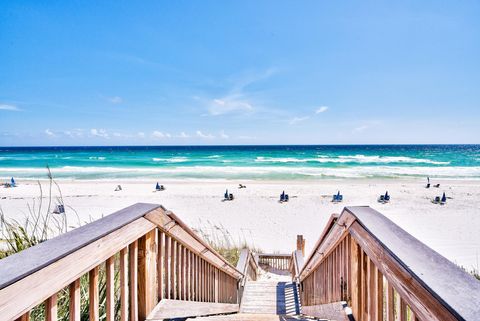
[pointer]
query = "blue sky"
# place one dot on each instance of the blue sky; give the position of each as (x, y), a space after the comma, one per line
(239, 72)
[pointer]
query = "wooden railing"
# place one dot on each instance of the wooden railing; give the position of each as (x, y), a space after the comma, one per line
(248, 265)
(384, 273)
(277, 261)
(296, 264)
(156, 254)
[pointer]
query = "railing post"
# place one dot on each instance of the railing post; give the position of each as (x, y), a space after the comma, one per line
(356, 279)
(301, 244)
(147, 259)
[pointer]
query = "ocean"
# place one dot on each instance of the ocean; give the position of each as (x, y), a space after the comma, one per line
(242, 162)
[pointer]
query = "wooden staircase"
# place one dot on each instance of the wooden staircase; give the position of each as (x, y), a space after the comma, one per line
(270, 297)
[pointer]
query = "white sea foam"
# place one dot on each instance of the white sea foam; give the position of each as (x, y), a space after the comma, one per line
(214, 156)
(97, 158)
(263, 172)
(171, 160)
(350, 159)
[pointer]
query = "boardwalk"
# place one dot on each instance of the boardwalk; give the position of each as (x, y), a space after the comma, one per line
(166, 271)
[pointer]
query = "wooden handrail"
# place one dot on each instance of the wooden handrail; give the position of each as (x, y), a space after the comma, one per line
(248, 265)
(158, 257)
(16, 267)
(366, 259)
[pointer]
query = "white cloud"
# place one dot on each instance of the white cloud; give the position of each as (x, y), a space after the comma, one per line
(49, 133)
(141, 135)
(74, 133)
(205, 136)
(183, 135)
(296, 120)
(321, 109)
(229, 104)
(158, 134)
(99, 133)
(115, 100)
(9, 107)
(223, 135)
(360, 129)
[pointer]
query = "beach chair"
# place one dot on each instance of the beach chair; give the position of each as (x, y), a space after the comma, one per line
(436, 185)
(230, 197)
(386, 197)
(381, 199)
(428, 185)
(286, 197)
(436, 200)
(337, 198)
(443, 200)
(241, 186)
(59, 209)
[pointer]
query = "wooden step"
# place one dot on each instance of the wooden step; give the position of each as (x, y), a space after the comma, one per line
(173, 309)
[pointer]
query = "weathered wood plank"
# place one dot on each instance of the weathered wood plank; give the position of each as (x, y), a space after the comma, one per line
(110, 278)
(74, 305)
(172, 309)
(93, 294)
(147, 259)
(51, 308)
(133, 277)
(124, 284)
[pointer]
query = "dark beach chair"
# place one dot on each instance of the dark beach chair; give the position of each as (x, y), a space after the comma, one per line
(59, 209)
(443, 200)
(436, 185)
(386, 197)
(286, 197)
(428, 185)
(381, 199)
(230, 197)
(436, 200)
(241, 186)
(337, 198)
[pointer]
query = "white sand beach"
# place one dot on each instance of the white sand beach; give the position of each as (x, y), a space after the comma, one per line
(256, 216)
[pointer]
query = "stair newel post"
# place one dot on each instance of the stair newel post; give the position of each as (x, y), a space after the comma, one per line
(301, 244)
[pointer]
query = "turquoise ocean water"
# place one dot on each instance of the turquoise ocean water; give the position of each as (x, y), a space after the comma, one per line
(242, 162)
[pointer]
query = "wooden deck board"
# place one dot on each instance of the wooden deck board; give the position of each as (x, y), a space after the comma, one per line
(171, 309)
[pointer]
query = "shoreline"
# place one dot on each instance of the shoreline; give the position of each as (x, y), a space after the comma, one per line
(256, 216)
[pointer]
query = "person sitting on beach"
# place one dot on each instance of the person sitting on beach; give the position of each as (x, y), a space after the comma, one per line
(118, 188)
(241, 186)
(159, 187)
